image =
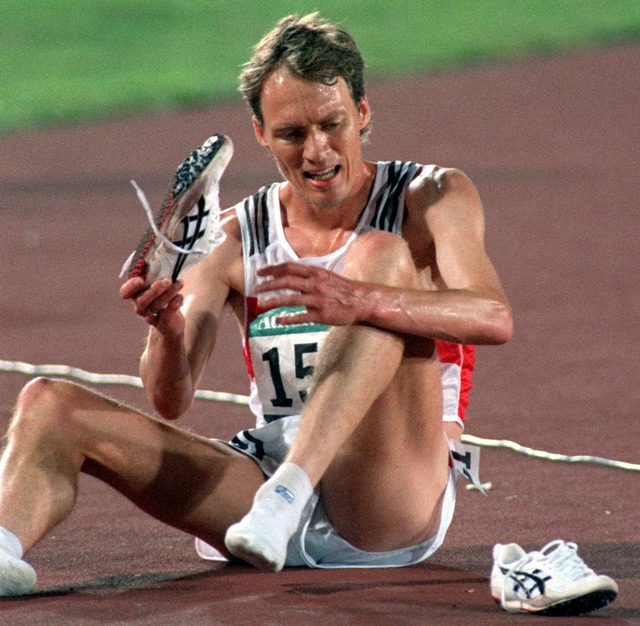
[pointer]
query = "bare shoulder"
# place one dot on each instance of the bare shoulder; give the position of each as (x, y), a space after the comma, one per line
(434, 183)
(443, 195)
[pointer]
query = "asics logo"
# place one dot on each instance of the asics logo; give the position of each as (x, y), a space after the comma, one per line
(527, 584)
(194, 228)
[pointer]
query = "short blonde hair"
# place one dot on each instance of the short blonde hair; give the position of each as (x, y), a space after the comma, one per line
(309, 47)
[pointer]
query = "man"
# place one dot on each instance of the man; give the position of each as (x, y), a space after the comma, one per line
(344, 277)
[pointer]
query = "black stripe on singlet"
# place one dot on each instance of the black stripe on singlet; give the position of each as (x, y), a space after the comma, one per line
(399, 174)
(262, 219)
(247, 218)
(257, 220)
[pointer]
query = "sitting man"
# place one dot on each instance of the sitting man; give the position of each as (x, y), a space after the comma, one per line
(349, 278)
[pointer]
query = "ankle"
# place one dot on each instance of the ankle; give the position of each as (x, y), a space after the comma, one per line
(286, 493)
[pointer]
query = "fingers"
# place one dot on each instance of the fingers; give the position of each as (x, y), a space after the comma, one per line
(300, 318)
(295, 277)
(289, 283)
(157, 311)
(155, 300)
(129, 289)
(152, 302)
(289, 300)
(287, 268)
(328, 298)
(293, 270)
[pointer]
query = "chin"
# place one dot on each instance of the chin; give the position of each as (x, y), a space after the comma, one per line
(324, 201)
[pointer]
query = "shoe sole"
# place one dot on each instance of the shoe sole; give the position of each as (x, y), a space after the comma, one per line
(575, 606)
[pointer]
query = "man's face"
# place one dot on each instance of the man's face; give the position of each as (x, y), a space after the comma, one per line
(313, 131)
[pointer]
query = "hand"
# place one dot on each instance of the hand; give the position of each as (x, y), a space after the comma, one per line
(328, 297)
(159, 304)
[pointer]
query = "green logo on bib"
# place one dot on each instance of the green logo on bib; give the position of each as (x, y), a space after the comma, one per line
(265, 324)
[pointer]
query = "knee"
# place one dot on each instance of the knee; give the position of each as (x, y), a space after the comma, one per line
(42, 401)
(381, 257)
(37, 391)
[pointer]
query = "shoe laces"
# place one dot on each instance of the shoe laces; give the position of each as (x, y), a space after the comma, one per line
(560, 558)
(563, 557)
(147, 208)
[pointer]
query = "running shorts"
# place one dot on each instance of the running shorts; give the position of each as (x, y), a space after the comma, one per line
(316, 543)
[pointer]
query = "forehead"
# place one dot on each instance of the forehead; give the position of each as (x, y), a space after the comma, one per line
(285, 97)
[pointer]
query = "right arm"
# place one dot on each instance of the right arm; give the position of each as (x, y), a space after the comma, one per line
(182, 336)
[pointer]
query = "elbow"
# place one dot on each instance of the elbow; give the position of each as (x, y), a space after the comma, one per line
(170, 408)
(170, 416)
(492, 327)
(500, 328)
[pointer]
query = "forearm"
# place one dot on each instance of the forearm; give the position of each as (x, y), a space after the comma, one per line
(454, 315)
(166, 375)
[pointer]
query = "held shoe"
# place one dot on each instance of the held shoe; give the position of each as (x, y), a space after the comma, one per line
(187, 225)
(17, 577)
(553, 581)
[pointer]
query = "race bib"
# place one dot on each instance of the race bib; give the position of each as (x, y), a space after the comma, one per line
(283, 360)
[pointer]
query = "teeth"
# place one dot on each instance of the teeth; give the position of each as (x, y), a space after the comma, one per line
(323, 175)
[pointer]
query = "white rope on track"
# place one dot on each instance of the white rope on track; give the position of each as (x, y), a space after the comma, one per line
(548, 456)
(220, 396)
(106, 379)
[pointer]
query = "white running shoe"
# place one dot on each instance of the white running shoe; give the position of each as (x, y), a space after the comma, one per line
(17, 577)
(187, 225)
(553, 581)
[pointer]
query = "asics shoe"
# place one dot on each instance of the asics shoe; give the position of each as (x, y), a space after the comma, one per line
(553, 581)
(186, 227)
(17, 577)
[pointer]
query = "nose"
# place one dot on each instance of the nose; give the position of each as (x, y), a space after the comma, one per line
(316, 146)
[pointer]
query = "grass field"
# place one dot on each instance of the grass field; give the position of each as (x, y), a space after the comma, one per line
(69, 60)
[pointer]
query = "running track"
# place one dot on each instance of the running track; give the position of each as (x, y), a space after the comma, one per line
(552, 144)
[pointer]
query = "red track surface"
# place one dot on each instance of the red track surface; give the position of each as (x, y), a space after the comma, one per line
(552, 144)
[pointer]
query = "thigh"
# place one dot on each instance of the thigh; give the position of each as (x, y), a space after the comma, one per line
(195, 484)
(384, 489)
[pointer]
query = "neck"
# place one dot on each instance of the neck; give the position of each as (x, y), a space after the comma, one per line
(316, 230)
(298, 211)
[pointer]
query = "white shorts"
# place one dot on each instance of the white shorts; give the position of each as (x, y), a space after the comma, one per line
(316, 543)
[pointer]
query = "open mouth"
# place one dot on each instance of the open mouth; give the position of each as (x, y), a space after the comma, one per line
(323, 175)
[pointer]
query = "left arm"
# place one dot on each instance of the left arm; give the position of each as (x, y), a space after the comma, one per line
(467, 304)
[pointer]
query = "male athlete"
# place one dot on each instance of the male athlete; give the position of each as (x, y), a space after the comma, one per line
(348, 278)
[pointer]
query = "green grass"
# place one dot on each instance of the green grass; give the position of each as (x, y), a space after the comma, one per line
(70, 60)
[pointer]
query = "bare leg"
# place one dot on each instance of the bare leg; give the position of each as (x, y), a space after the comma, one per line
(384, 458)
(371, 430)
(60, 429)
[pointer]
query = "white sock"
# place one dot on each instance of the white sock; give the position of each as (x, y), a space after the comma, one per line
(262, 536)
(286, 493)
(16, 576)
(10, 543)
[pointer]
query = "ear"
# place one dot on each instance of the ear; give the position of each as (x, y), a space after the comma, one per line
(259, 132)
(364, 112)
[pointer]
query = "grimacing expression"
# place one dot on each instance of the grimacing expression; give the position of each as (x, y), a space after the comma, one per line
(313, 131)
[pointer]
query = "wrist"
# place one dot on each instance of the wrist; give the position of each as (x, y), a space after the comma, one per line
(372, 304)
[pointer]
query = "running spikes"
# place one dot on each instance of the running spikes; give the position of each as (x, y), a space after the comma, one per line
(552, 581)
(187, 226)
